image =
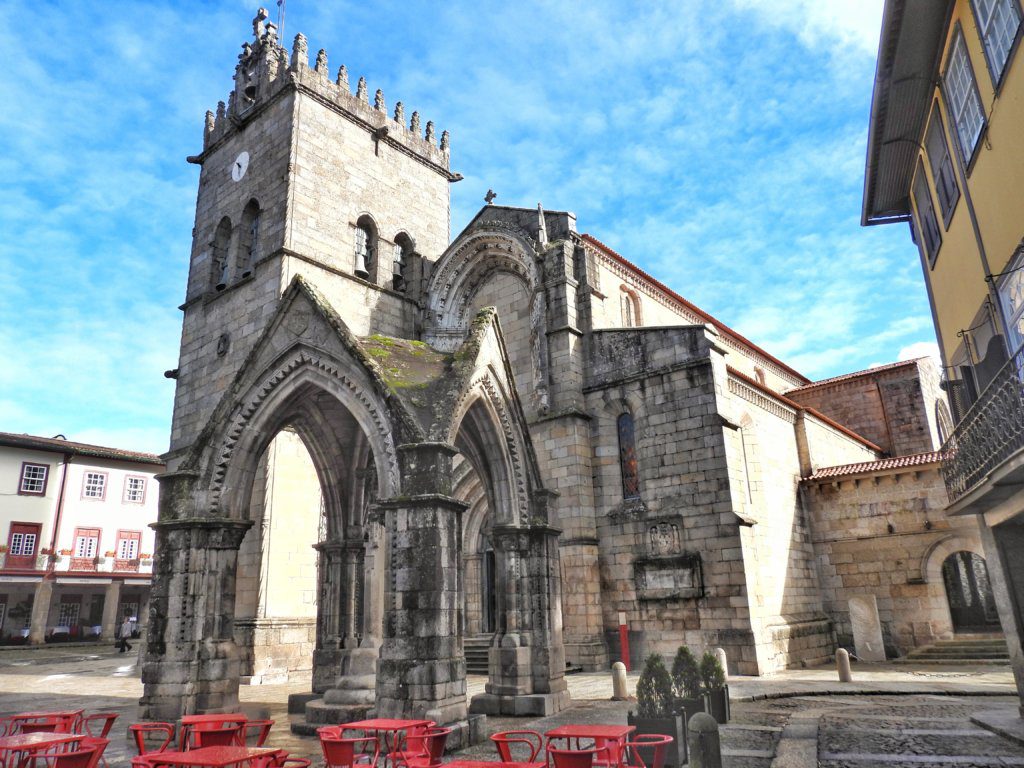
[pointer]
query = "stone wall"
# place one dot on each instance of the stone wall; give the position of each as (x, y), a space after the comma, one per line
(609, 279)
(672, 559)
(787, 616)
(892, 406)
(858, 554)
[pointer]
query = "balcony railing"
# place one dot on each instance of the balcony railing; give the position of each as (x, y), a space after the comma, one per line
(990, 433)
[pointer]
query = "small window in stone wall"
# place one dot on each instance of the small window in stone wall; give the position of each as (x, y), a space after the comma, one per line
(627, 458)
(249, 246)
(365, 249)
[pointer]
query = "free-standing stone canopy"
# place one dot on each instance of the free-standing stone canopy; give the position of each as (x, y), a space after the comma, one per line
(408, 406)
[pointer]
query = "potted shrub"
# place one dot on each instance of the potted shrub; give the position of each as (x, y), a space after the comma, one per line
(655, 709)
(716, 691)
(686, 681)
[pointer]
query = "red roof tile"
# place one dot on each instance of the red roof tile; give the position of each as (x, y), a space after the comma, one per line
(692, 307)
(57, 445)
(882, 465)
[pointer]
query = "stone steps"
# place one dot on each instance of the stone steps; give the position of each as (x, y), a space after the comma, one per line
(976, 649)
(475, 649)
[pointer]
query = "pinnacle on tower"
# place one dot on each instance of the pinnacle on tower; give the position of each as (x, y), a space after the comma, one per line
(300, 54)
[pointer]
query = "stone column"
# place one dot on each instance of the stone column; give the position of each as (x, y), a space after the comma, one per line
(40, 612)
(526, 673)
(422, 670)
(355, 684)
(327, 656)
(192, 664)
(111, 600)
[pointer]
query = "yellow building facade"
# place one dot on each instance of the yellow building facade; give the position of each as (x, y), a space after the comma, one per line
(946, 154)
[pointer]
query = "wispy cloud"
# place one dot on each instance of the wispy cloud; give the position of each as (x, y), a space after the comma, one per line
(719, 145)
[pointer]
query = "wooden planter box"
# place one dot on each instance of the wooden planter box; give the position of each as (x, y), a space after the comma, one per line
(672, 725)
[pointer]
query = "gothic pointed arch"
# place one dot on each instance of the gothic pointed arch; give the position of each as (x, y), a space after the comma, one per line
(308, 355)
(494, 263)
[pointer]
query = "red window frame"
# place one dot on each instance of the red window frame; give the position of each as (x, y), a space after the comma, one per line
(21, 560)
(85, 483)
(21, 478)
(145, 488)
(123, 535)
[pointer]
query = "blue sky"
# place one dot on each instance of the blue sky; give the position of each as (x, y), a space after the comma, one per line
(719, 145)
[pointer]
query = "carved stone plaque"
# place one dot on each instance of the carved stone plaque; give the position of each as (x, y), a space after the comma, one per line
(668, 578)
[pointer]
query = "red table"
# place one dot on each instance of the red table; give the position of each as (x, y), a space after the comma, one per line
(613, 737)
(487, 764)
(386, 727)
(20, 746)
(213, 757)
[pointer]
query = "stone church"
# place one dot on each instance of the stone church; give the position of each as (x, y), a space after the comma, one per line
(395, 453)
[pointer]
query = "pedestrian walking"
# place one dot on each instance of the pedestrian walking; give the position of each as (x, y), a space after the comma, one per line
(126, 631)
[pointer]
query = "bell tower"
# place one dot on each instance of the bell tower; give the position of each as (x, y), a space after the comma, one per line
(299, 175)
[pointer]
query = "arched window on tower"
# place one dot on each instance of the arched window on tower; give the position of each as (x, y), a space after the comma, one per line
(627, 458)
(220, 261)
(249, 243)
(400, 261)
(365, 248)
(630, 305)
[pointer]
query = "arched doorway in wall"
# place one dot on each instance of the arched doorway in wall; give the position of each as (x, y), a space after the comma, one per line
(301, 598)
(276, 593)
(472, 481)
(972, 606)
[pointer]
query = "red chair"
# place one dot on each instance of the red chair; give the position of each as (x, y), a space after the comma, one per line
(504, 741)
(341, 752)
(433, 741)
(574, 758)
(98, 724)
(144, 733)
(86, 756)
(226, 730)
(228, 735)
(58, 722)
(655, 745)
(257, 731)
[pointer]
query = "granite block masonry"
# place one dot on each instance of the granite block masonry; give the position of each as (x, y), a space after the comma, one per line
(387, 443)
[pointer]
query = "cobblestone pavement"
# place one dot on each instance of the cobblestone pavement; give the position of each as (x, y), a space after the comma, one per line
(929, 727)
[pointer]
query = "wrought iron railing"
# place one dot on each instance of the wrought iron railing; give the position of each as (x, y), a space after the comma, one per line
(990, 432)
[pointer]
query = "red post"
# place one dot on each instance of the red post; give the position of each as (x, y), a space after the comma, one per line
(624, 640)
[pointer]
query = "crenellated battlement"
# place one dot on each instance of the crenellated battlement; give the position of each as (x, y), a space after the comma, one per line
(265, 69)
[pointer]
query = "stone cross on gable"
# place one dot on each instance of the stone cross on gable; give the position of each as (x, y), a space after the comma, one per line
(489, 197)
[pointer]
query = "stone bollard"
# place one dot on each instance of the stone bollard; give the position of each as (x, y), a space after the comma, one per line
(843, 666)
(619, 690)
(722, 659)
(705, 748)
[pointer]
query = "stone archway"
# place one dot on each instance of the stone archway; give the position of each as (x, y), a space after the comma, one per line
(972, 605)
(384, 420)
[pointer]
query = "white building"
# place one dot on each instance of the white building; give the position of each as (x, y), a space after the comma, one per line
(76, 548)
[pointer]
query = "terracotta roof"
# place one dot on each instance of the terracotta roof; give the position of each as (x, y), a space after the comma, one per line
(57, 445)
(806, 408)
(882, 465)
(692, 307)
(854, 375)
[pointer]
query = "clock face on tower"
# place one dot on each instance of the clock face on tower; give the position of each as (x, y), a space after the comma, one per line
(240, 166)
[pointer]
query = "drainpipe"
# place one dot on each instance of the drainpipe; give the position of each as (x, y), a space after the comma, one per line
(60, 511)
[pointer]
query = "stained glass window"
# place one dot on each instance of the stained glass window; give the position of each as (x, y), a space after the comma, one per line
(627, 458)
